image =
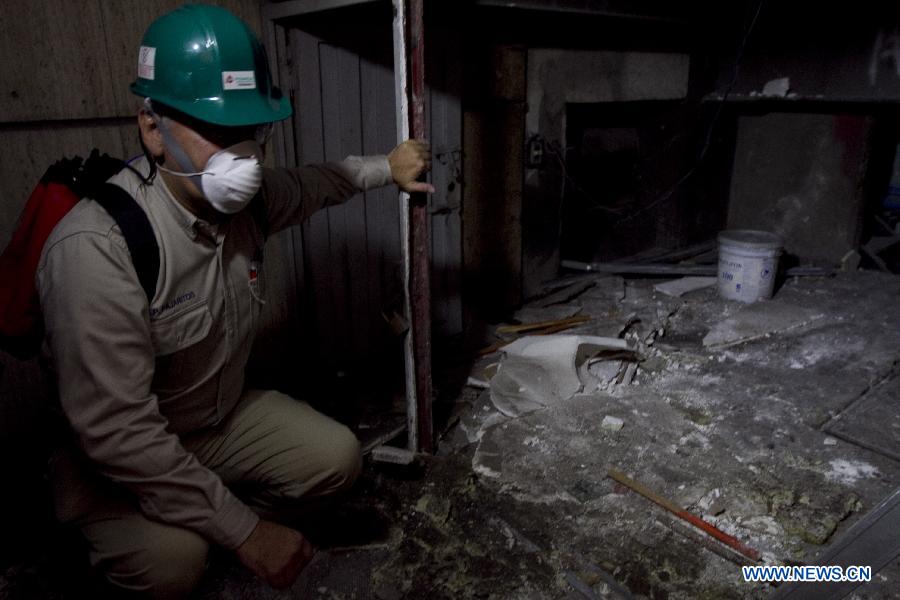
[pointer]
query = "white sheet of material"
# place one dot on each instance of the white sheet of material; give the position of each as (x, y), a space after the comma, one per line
(538, 371)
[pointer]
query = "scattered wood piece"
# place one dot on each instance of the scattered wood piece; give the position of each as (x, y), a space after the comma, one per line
(879, 262)
(681, 513)
(554, 327)
(529, 327)
(560, 327)
(480, 384)
(850, 261)
(704, 541)
(691, 253)
(627, 376)
(567, 293)
(697, 270)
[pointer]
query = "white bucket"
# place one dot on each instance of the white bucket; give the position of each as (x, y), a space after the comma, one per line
(748, 261)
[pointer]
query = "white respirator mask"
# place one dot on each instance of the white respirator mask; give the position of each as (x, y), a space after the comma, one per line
(231, 176)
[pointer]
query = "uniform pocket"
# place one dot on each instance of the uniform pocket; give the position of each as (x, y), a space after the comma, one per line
(177, 332)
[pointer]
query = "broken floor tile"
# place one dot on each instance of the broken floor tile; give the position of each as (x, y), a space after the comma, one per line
(680, 287)
(758, 320)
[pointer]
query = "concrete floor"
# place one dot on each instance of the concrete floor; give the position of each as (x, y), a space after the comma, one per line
(738, 413)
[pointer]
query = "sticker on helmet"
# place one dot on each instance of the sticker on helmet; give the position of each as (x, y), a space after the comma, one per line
(238, 80)
(147, 62)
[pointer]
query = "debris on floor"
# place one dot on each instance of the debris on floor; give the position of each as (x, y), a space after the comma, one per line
(680, 287)
(759, 320)
(538, 371)
(774, 423)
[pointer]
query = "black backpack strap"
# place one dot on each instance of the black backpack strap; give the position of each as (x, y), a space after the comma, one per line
(136, 229)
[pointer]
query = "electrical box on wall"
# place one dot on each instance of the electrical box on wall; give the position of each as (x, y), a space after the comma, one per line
(534, 153)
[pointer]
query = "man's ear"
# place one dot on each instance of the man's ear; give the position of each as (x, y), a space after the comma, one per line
(150, 133)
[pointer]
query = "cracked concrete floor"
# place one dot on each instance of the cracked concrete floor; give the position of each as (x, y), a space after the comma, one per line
(732, 429)
(735, 430)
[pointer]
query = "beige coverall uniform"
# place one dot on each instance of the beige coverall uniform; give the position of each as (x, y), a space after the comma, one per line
(154, 391)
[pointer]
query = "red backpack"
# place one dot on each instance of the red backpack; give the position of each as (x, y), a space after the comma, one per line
(61, 188)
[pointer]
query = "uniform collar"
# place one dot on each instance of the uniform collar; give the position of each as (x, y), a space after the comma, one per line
(193, 225)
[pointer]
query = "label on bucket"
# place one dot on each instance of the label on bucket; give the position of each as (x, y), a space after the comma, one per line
(748, 260)
(747, 279)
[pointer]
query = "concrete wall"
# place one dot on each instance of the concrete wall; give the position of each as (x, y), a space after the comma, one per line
(799, 175)
(804, 156)
(556, 78)
(66, 67)
(827, 52)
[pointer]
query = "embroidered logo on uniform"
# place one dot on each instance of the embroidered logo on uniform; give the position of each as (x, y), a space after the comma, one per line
(157, 311)
(253, 281)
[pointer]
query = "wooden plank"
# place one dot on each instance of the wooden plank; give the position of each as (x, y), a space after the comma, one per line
(275, 352)
(382, 217)
(338, 259)
(512, 110)
(27, 152)
(311, 149)
(54, 66)
(474, 127)
(494, 188)
(420, 267)
(683, 514)
(281, 64)
(354, 211)
(674, 270)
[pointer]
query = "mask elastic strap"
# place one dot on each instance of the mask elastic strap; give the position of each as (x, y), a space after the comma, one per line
(178, 153)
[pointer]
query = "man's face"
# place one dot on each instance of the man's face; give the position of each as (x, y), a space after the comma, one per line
(199, 140)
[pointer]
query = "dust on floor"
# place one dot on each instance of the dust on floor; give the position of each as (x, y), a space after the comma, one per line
(748, 416)
(729, 414)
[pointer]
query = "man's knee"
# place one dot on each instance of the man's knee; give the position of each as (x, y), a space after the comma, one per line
(169, 563)
(332, 468)
(347, 464)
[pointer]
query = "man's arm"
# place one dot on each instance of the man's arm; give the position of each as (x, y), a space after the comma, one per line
(293, 195)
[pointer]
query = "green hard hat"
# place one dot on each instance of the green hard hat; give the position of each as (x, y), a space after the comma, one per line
(207, 63)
